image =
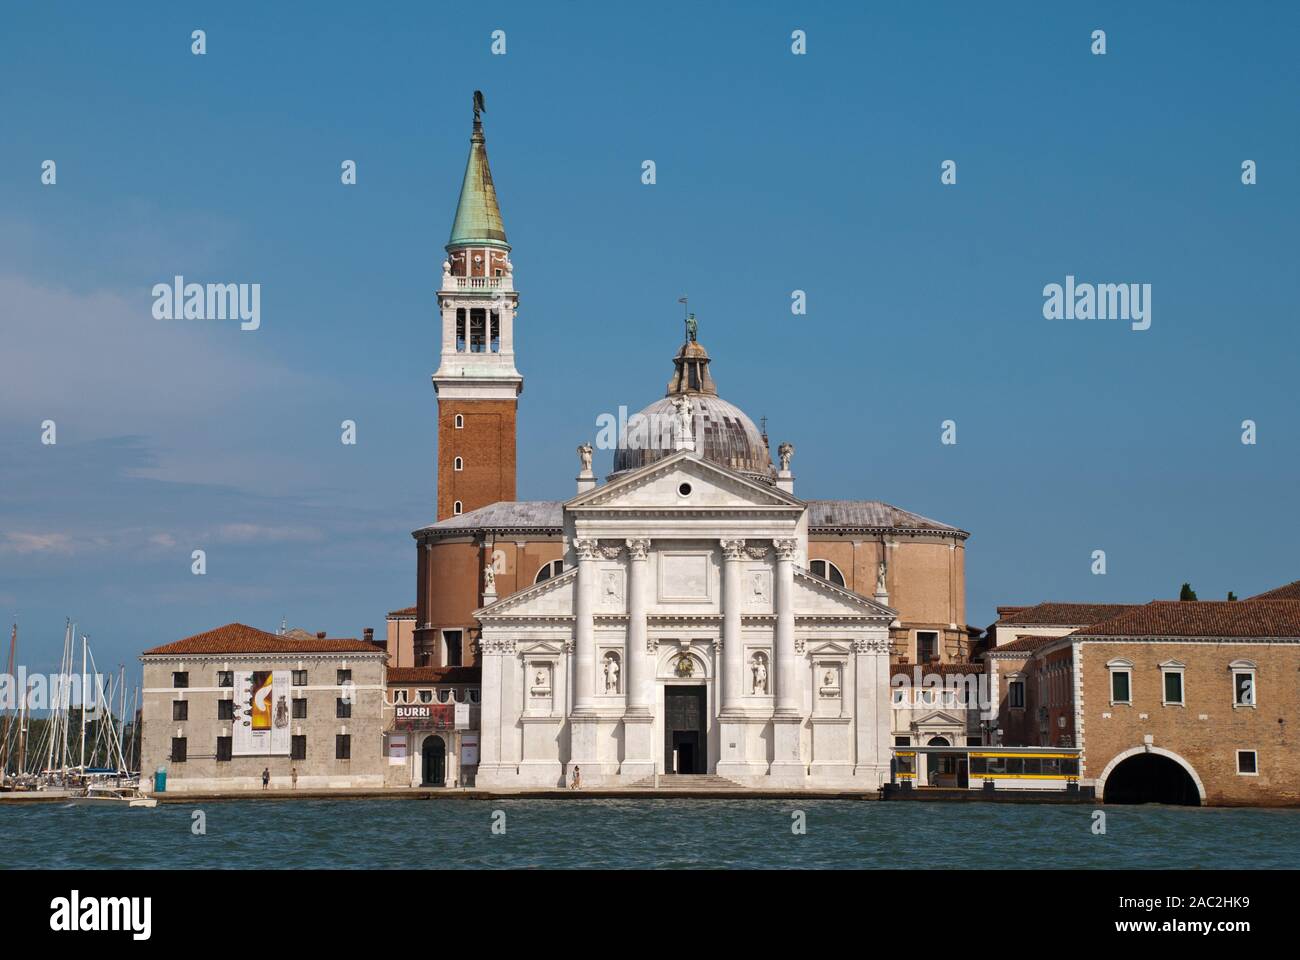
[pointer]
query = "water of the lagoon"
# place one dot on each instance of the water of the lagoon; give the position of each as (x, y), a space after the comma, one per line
(457, 833)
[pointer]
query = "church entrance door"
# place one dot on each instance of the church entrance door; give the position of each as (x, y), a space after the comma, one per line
(684, 737)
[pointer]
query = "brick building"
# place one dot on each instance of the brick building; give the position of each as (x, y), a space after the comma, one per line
(1183, 702)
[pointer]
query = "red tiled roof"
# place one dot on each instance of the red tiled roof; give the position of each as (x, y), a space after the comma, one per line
(404, 613)
(1026, 644)
(1290, 592)
(1203, 618)
(241, 638)
(1068, 614)
(942, 669)
(401, 675)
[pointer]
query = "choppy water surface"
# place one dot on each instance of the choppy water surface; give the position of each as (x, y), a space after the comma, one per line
(457, 833)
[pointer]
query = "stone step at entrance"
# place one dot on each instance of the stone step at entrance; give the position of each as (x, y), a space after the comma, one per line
(687, 781)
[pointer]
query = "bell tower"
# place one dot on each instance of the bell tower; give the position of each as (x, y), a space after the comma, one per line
(476, 382)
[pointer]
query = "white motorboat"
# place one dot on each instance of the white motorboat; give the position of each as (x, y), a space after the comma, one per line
(106, 794)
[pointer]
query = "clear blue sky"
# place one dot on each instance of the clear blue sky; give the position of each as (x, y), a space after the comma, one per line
(775, 172)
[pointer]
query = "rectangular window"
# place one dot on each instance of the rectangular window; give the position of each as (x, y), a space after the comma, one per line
(300, 708)
(1247, 762)
(342, 708)
(300, 678)
(1119, 686)
(181, 678)
(495, 332)
(1016, 694)
(1243, 686)
(344, 676)
(451, 648)
(1173, 687)
(343, 746)
(178, 749)
(298, 748)
(180, 710)
(225, 678)
(225, 709)
(927, 646)
(902, 741)
(224, 748)
(460, 330)
(974, 741)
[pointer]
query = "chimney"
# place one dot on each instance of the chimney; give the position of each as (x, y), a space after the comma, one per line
(320, 634)
(368, 634)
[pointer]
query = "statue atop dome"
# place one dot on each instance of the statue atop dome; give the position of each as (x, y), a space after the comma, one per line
(692, 328)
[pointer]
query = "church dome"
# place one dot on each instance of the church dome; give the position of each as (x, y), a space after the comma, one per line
(724, 434)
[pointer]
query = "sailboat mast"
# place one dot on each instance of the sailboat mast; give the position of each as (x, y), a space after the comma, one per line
(13, 643)
(22, 734)
(53, 727)
(83, 703)
(121, 713)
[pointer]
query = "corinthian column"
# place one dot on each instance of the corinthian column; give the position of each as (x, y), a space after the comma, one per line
(584, 631)
(636, 679)
(789, 692)
(733, 651)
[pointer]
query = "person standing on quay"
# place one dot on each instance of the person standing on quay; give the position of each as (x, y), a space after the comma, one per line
(266, 777)
(576, 781)
(293, 775)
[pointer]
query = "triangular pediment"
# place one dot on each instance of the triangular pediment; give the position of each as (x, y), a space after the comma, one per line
(550, 598)
(658, 486)
(814, 596)
(939, 719)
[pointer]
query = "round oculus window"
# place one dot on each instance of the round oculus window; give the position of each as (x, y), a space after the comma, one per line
(684, 490)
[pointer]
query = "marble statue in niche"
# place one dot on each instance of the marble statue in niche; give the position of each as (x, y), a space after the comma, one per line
(541, 686)
(758, 667)
(611, 673)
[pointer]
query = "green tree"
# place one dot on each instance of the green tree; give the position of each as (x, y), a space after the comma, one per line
(1187, 593)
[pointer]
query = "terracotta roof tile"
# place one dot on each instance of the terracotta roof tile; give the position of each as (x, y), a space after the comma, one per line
(240, 638)
(1026, 644)
(399, 675)
(1228, 619)
(1067, 614)
(1290, 592)
(942, 669)
(405, 613)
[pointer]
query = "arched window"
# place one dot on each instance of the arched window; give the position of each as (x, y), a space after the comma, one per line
(552, 569)
(827, 571)
(460, 421)
(458, 464)
(456, 507)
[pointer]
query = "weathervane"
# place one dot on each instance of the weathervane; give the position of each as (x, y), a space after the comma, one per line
(478, 105)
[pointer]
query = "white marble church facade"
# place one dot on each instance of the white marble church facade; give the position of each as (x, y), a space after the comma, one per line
(686, 635)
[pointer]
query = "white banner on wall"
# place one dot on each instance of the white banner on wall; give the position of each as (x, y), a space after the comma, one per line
(396, 749)
(462, 716)
(261, 725)
(469, 750)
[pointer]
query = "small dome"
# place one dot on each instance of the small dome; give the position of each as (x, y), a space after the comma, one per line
(723, 433)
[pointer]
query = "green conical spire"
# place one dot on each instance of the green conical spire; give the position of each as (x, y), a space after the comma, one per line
(478, 218)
